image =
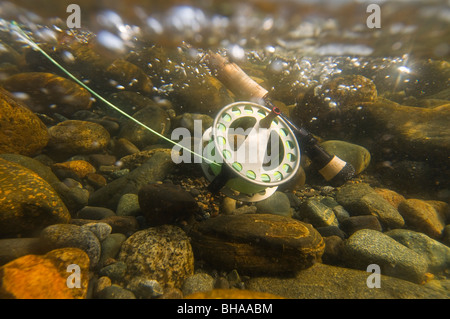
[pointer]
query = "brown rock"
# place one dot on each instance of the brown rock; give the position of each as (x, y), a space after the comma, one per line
(232, 294)
(27, 202)
(44, 277)
(422, 217)
(442, 208)
(166, 204)
(119, 224)
(77, 137)
(392, 197)
(257, 243)
(152, 116)
(123, 147)
(96, 180)
(49, 93)
(22, 132)
(355, 223)
(78, 167)
(129, 76)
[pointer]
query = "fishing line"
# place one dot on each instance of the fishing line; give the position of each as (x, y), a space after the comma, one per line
(34, 45)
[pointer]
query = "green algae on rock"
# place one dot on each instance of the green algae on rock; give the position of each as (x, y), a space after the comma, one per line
(27, 202)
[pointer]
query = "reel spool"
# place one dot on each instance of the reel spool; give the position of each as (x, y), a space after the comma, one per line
(243, 141)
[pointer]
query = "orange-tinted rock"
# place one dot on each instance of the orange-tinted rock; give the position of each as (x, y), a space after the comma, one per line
(442, 208)
(96, 180)
(45, 277)
(257, 243)
(392, 197)
(49, 93)
(422, 217)
(22, 132)
(232, 294)
(77, 137)
(78, 167)
(129, 76)
(27, 202)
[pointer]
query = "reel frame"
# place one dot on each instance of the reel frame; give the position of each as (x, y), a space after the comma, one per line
(248, 177)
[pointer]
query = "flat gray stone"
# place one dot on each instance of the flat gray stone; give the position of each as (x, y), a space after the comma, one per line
(367, 246)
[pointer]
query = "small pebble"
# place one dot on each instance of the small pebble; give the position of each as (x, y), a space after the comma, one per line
(128, 205)
(197, 283)
(115, 271)
(101, 284)
(145, 288)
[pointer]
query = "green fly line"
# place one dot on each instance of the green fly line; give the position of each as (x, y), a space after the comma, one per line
(99, 97)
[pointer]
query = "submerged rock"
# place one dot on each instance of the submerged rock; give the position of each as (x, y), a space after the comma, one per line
(13, 248)
(48, 93)
(317, 213)
(355, 223)
(158, 253)
(66, 235)
(129, 76)
(22, 132)
(153, 169)
(45, 277)
(257, 243)
(354, 154)
(437, 254)
(166, 204)
(77, 168)
(200, 282)
(187, 83)
(36, 166)
(27, 202)
(330, 282)
(420, 133)
(367, 246)
(423, 217)
(278, 204)
(152, 116)
(77, 137)
(361, 199)
(324, 108)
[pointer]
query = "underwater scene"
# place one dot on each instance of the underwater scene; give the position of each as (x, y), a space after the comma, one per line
(215, 149)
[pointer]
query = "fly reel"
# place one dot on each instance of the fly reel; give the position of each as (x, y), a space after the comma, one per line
(251, 150)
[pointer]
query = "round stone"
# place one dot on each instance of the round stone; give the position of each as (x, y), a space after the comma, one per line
(161, 253)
